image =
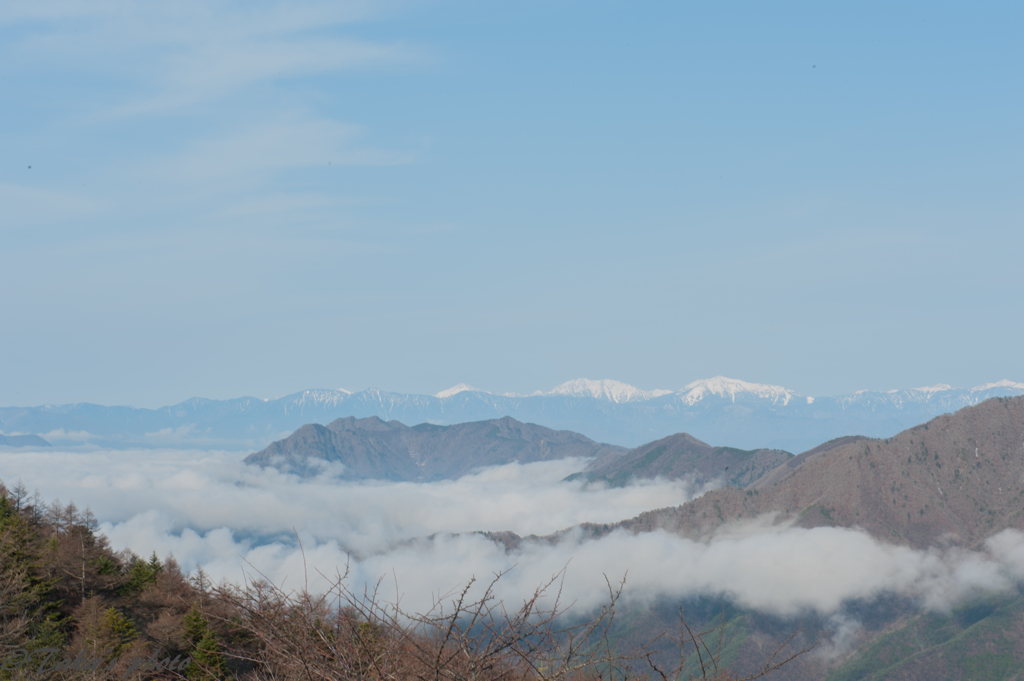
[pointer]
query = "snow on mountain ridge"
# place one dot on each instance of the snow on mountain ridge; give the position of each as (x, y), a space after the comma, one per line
(455, 390)
(938, 388)
(719, 386)
(722, 386)
(1005, 383)
(615, 391)
(620, 393)
(320, 396)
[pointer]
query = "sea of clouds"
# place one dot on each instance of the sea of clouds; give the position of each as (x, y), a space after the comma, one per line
(209, 509)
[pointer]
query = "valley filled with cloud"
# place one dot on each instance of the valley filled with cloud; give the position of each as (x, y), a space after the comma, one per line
(206, 508)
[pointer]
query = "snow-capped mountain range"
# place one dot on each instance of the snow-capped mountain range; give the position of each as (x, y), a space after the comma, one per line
(719, 410)
(720, 386)
(607, 389)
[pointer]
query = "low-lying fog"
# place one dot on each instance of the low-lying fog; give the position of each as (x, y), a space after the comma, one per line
(209, 509)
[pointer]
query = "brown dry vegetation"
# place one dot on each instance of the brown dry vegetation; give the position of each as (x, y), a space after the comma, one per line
(62, 589)
(341, 635)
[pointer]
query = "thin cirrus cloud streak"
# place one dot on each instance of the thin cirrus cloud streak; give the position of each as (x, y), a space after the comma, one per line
(208, 72)
(260, 150)
(191, 51)
(176, 58)
(237, 173)
(208, 509)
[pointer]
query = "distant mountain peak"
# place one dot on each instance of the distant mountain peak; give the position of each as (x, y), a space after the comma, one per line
(999, 384)
(938, 388)
(722, 386)
(615, 391)
(456, 389)
(321, 396)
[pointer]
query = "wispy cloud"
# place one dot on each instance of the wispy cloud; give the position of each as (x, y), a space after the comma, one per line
(184, 108)
(255, 152)
(188, 52)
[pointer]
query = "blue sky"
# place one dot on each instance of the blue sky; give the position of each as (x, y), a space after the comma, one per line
(250, 198)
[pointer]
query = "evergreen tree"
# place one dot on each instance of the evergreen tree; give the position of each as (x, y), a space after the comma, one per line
(103, 630)
(118, 630)
(141, 574)
(27, 609)
(207, 659)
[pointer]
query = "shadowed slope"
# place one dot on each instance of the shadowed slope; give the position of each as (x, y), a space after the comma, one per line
(388, 450)
(683, 455)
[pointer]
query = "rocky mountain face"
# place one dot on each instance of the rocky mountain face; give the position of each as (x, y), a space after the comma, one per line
(721, 410)
(370, 448)
(955, 479)
(684, 456)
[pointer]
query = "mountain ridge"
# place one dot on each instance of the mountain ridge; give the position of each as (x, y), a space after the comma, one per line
(371, 448)
(956, 479)
(683, 456)
(725, 411)
(954, 483)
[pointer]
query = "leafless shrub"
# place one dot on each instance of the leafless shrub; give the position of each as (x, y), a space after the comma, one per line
(342, 635)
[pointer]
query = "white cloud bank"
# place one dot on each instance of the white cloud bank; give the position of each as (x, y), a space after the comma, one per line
(205, 491)
(206, 508)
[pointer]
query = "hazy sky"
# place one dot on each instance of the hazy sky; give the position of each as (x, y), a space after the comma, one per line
(250, 198)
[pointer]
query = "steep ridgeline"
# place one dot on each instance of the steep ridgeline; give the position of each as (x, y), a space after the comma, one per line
(388, 450)
(683, 455)
(958, 478)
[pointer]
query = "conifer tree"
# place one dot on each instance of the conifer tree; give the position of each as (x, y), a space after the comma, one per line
(27, 619)
(207, 659)
(141, 574)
